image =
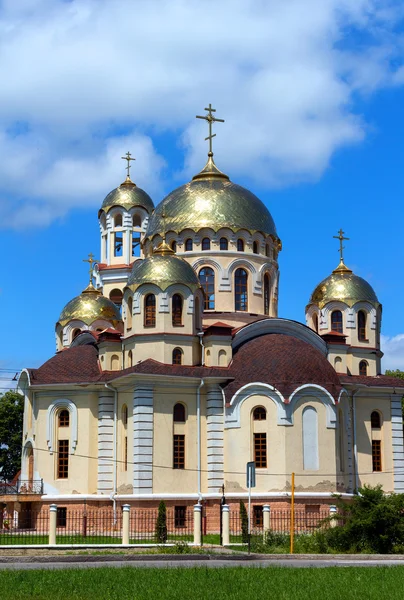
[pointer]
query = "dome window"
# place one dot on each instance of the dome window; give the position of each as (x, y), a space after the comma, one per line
(255, 247)
(362, 326)
(174, 246)
(136, 221)
(207, 279)
(240, 245)
(177, 356)
(188, 245)
(118, 221)
(241, 290)
(224, 243)
(76, 333)
(118, 244)
(259, 414)
(150, 310)
(363, 368)
(267, 250)
(336, 321)
(177, 310)
(206, 244)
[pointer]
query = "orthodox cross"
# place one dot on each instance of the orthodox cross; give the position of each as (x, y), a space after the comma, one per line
(90, 260)
(341, 238)
(128, 158)
(210, 118)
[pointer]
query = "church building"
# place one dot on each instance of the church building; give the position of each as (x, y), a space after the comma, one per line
(173, 369)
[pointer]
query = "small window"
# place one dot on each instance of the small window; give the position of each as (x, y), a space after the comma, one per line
(63, 459)
(224, 243)
(116, 297)
(136, 221)
(375, 420)
(179, 413)
(150, 310)
(76, 333)
(124, 415)
(118, 244)
(64, 418)
(118, 221)
(363, 368)
(362, 326)
(174, 246)
(207, 280)
(255, 247)
(377, 455)
(135, 243)
(61, 516)
(177, 356)
(260, 450)
(130, 358)
(179, 451)
(177, 310)
(336, 321)
(258, 516)
(241, 290)
(267, 250)
(240, 245)
(259, 414)
(188, 245)
(180, 516)
(206, 244)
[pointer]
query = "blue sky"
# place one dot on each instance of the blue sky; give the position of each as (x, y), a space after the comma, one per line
(312, 94)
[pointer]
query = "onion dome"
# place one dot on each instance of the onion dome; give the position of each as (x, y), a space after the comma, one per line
(163, 269)
(127, 195)
(90, 306)
(344, 286)
(211, 200)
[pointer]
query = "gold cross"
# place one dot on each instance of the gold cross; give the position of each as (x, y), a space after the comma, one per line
(128, 157)
(341, 238)
(210, 118)
(90, 260)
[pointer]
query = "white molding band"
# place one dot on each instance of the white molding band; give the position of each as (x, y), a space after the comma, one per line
(54, 407)
(195, 496)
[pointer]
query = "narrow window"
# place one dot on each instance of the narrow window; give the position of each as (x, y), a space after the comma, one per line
(240, 245)
(118, 221)
(376, 455)
(61, 516)
(124, 415)
(150, 310)
(224, 243)
(255, 247)
(116, 297)
(259, 414)
(179, 413)
(336, 321)
(118, 244)
(114, 362)
(177, 356)
(76, 333)
(179, 452)
(375, 420)
(206, 244)
(310, 439)
(64, 418)
(267, 250)
(207, 279)
(266, 294)
(315, 323)
(362, 326)
(135, 243)
(174, 246)
(363, 368)
(130, 358)
(222, 358)
(258, 516)
(260, 450)
(136, 221)
(188, 245)
(63, 459)
(180, 513)
(129, 313)
(177, 310)
(241, 293)
(338, 364)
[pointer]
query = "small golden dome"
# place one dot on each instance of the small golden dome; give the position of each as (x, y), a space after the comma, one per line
(344, 286)
(90, 306)
(211, 200)
(127, 195)
(163, 268)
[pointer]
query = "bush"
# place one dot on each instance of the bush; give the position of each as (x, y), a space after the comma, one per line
(161, 524)
(244, 522)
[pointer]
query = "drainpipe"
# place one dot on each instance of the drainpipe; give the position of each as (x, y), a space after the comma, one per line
(354, 440)
(200, 335)
(115, 443)
(198, 434)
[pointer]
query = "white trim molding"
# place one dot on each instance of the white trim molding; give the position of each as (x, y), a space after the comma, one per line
(54, 407)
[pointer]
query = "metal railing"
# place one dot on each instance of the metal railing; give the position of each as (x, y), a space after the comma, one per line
(23, 486)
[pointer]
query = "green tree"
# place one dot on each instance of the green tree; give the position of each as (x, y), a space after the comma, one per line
(396, 373)
(161, 524)
(11, 419)
(244, 522)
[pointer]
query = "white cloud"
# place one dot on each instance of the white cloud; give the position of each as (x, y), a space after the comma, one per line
(282, 74)
(393, 348)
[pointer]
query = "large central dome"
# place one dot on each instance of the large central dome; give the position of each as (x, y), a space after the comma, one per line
(211, 200)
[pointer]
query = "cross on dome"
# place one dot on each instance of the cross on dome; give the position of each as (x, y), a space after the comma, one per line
(341, 238)
(90, 260)
(210, 118)
(128, 157)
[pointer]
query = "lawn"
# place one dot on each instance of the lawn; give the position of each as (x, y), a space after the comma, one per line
(200, 583)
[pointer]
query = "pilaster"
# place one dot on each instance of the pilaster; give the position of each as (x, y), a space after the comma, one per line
(105, 441)
(397, 442)
(215, 438)
(143, 440)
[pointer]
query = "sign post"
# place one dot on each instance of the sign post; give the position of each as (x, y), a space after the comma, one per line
(250, 484)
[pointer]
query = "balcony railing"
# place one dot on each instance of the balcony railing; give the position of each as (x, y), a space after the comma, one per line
(23, 486)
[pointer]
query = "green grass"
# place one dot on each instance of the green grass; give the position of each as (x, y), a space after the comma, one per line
(200, 583)
(25, 540)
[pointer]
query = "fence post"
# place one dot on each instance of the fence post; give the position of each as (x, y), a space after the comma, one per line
(52, 523)
(226, 524)
(197, 524)
(266, 510)
(125, 523)
(333, 513)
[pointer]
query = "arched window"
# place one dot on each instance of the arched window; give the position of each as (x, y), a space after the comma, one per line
(207, 358)
(224, 243)
(124, 415)
(118, 221)
(338, 364)
(315, 323)
(150, 310)
(177, 356)
(241, 290)
(207, 279)
(188, 245)
(114, 362)
(174, 246)
(259, 414)
(177, 310)
(222, 358)
(130, 358)
(362, 326)
(116, 296)
(336, 321)
(64, 418)
(76, 333)
(255, 247)
(375, 421)
(266, 294)
(206, 244)
(240, 245)
(310, 439)
(267, 250)
(179, 413)
(129, 313)
(363, 368)
(136, 221)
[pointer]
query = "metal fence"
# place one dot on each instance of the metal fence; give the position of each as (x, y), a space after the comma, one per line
(26, 527)
(23, 486)
(144, 526)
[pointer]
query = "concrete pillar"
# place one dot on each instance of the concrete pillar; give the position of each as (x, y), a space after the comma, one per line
(266, 509)
(225, 525)
(197, 524)
(125, 523)
(52, 523)
(333, 513)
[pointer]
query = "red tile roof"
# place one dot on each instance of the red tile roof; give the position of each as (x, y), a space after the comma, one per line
(377, 380)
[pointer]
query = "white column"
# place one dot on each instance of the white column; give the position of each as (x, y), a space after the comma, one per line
(105, 441)
(109, 250)
(266, 509)
(197, 524)
(225, 525)
(143, 440)
(215, 438)
(125, 524)
(128, 245)
(397, 441)
(52, 523)
(333, 513)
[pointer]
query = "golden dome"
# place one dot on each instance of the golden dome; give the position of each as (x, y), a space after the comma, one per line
(211, 200)
(90, 306)
(163, 268)
(127, 195)
(344, 286)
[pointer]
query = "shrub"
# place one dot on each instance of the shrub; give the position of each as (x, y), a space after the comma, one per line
(244, 522)
(161, 524)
